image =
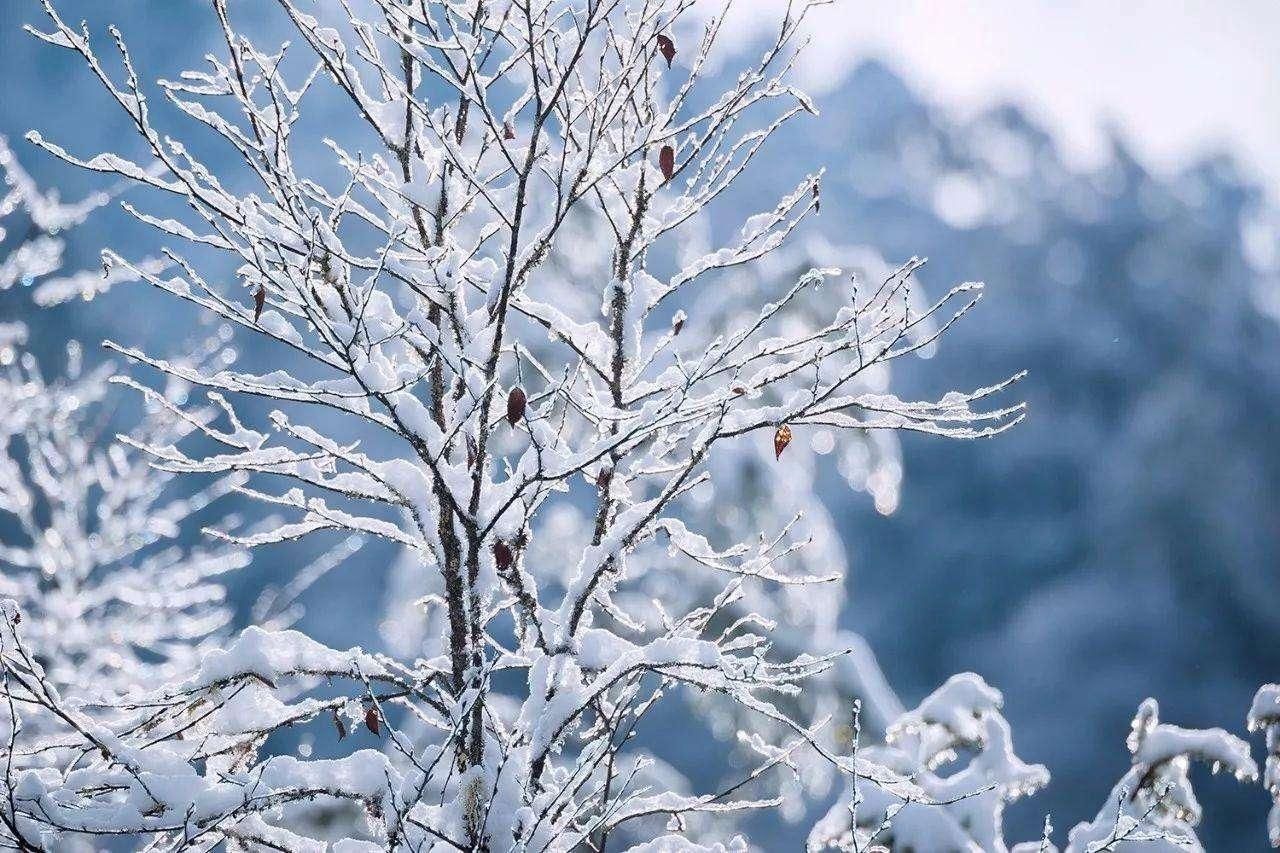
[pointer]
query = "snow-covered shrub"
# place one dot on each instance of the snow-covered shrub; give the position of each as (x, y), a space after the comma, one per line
(957, 748)
(89, 555)
(1264, 716)
(446, 381)
(1153, 806)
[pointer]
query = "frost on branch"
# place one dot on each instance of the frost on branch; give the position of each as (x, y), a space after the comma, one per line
(1153, 807)
(957, 748)
(493, 348)
(1264, 716)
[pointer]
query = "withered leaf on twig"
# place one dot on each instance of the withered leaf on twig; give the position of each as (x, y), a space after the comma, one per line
(668, 48)
(667, 161)
(781, 439)
(516, 401)
(502, 555)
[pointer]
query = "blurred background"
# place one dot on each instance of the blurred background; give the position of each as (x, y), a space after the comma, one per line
(1111, 170)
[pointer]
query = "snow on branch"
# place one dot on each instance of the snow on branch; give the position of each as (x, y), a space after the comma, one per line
(1264, 716)
(957, 748)
(1153, 807)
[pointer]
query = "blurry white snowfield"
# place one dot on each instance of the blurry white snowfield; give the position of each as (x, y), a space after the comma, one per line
(591, 425)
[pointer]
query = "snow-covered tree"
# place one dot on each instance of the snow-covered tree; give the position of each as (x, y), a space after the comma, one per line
(95, 563)
(91, 563)
(1153, 807)
(742, 497)
(964, 805)
(449, 380)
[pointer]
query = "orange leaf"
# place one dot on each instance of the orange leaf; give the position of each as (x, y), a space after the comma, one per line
(781, 439)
